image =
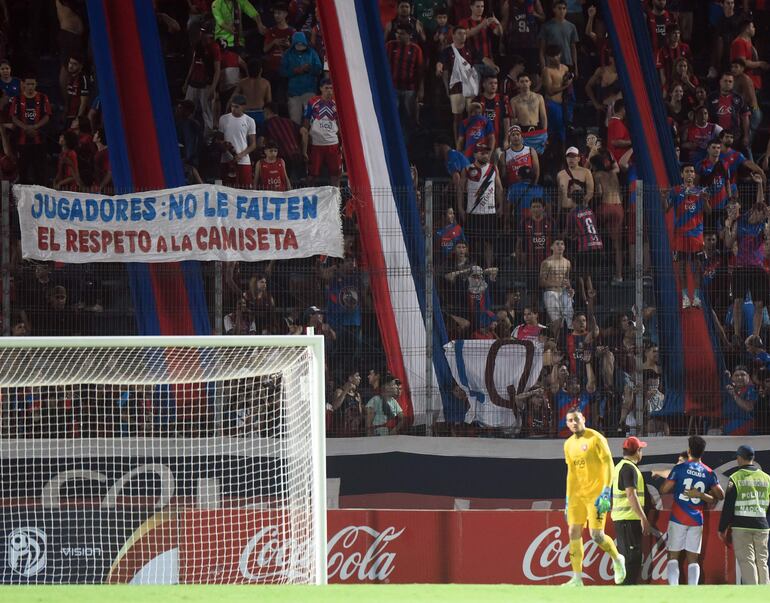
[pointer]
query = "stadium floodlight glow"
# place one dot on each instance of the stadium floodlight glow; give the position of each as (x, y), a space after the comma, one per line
(163, 460)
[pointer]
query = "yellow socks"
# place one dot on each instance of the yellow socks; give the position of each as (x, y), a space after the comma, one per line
(608, 546)
(576, 556)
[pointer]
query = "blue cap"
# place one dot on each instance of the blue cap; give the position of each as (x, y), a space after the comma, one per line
(745, 451)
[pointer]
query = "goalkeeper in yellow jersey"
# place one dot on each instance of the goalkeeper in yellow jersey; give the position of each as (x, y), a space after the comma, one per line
(589, 491)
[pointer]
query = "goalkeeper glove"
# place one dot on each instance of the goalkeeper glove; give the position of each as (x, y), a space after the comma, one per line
(603, 503)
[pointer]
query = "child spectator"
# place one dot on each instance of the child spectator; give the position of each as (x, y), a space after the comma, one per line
(67, 173)
(270, 172)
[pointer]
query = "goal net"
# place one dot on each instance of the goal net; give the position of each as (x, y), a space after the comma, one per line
(162, 460)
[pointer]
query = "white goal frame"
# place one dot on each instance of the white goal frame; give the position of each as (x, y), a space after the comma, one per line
(314, 343)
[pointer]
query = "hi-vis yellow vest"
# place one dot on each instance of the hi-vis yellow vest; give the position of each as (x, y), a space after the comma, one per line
(621, 508)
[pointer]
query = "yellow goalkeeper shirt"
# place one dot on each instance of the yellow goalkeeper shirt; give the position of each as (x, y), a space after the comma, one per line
(589, 464)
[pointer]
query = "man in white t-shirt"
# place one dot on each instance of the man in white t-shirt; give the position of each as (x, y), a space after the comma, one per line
(320, 125)
(240, 134)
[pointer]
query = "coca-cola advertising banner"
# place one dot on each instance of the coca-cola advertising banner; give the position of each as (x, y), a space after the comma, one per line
(243, 546)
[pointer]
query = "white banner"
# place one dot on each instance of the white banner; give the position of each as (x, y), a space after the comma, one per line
(485, 370)
(202, 222)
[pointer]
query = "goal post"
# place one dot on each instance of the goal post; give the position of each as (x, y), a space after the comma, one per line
(163, 459)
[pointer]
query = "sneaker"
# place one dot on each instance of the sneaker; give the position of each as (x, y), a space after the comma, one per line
(576, 581)
(696, 302)
(685, 301)
(619, 567)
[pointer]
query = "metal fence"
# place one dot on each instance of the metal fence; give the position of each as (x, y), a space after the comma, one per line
(604, 336)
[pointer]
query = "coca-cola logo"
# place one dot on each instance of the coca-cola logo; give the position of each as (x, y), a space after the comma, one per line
(547, 557)
(375, 564)
(356, 553)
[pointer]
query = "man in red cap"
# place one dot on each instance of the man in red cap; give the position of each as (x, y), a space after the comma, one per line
(628, 508)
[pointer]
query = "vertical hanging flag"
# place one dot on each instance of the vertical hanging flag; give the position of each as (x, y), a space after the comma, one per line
(690, 357)
(168, 298)
(379, 174)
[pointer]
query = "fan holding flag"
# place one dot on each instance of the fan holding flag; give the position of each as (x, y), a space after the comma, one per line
(457, 66)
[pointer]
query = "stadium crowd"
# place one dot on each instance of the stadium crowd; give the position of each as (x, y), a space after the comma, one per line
(515, 110)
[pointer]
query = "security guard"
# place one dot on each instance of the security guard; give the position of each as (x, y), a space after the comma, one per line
(628, 508)
(745, 511)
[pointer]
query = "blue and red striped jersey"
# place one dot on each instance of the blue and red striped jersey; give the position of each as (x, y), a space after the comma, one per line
(690, 475)
(715, 177)
(688, 205)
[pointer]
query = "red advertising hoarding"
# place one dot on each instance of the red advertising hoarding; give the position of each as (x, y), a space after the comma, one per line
(486, 547)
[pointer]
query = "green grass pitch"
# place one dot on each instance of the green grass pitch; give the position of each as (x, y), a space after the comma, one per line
(402, 593)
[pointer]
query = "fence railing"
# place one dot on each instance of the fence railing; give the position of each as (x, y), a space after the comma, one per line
(607, 332)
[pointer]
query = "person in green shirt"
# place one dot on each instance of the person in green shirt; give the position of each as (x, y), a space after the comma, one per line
(744, 513)
(227, 19)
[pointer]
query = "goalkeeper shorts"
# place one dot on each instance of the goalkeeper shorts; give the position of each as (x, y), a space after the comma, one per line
(582, 510)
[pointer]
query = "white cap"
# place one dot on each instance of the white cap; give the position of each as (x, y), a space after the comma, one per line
(572, 151)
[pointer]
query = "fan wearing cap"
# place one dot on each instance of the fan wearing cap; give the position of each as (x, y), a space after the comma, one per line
(628, 508)
(240, 134)
(747, 502)
(575, 183)
(479, 202)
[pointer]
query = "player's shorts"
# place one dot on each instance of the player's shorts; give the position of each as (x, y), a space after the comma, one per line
(329, 156)
(535, 138)
(582, 510)
(684, 538)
